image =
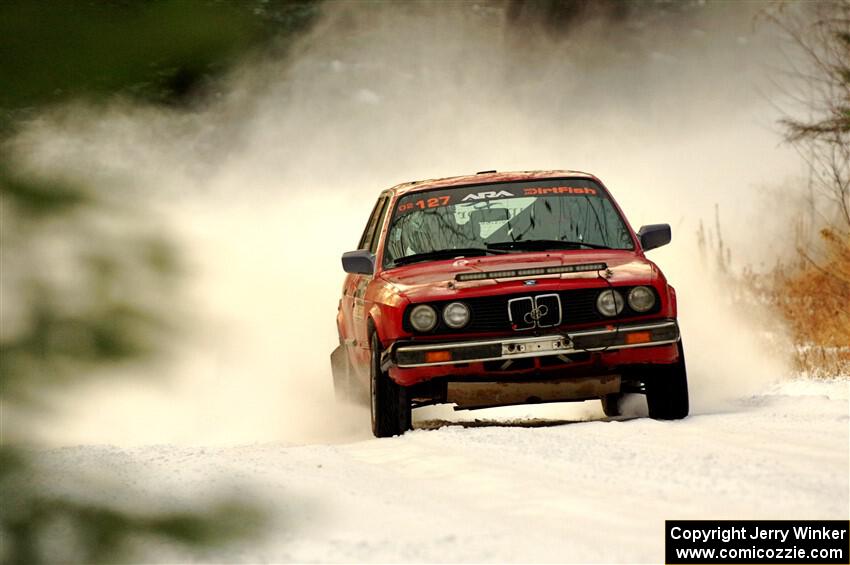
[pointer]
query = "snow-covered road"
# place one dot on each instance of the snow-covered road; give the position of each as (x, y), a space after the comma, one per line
(589, 491)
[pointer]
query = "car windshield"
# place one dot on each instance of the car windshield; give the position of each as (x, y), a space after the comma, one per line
(495, 218)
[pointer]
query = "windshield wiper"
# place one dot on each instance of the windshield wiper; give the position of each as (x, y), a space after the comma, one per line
(544, 244)
(446, 254)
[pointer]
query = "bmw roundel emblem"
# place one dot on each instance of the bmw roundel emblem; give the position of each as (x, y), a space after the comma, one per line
(529, 282)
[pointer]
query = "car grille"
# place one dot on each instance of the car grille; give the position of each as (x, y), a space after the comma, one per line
(490, 313)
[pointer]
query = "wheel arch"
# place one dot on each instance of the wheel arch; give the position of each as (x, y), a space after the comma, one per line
(375, 324)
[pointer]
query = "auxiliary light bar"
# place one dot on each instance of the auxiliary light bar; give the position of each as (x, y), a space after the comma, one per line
(514, 273)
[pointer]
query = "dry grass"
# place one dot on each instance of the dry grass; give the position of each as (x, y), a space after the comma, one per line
(814, 298)
(810, 294)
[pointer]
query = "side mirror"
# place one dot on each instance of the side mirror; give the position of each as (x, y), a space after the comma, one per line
(654, 235)
(360, 262)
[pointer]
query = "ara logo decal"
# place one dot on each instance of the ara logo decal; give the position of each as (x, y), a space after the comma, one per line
(488, 194)
(530, 282)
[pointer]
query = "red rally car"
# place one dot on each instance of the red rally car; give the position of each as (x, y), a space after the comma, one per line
(506, 288)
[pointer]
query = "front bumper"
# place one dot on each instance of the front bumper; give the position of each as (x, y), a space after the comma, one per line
(409, 355)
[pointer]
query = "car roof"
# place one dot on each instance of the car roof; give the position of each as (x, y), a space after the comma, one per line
(486, 177)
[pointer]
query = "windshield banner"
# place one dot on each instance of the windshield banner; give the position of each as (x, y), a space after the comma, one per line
(471, 194)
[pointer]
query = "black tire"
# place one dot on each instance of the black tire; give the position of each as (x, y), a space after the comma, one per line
(667, 391)
(611, 404)
(343, 379)
(391, 412)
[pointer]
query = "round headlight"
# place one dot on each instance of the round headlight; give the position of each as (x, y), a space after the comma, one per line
(423, 318)
(610, 303)
(456, 315)
(641, 299)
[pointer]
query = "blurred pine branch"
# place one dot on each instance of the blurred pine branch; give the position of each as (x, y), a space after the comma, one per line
(87, 282)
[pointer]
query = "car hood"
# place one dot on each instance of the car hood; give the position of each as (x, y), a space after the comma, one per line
(435, 279)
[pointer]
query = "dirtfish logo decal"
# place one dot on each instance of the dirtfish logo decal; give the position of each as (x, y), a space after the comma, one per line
(488, 194)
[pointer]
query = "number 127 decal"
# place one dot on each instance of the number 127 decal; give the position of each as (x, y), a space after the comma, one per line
(424, 203)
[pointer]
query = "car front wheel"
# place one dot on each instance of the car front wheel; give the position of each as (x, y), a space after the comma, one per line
(667, 390)
(391, 412)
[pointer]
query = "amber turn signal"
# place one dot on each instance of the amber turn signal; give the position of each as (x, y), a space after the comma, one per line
(438, 356)
(638, 337)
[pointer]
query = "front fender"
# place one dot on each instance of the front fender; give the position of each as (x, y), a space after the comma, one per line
(674, 306)
(386, 319)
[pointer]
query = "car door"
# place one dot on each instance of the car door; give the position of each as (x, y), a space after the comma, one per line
(354, 290)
